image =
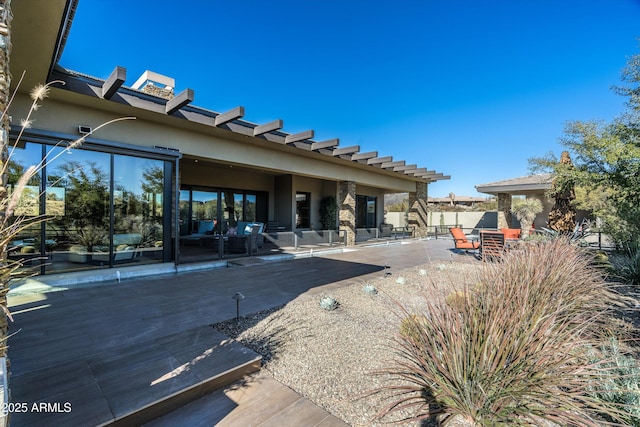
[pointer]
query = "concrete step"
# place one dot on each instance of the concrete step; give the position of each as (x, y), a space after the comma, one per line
(132, 384)
(257, 400)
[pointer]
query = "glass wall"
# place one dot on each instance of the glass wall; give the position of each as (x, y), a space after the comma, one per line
(138, 196)
(26, 245)
(303, 210)
(366, 211)
(208, 214)
(101, 209)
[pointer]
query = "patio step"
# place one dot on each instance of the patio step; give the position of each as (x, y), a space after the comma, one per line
(132, 384)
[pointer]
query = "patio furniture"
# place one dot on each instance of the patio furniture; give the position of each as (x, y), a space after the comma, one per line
(461, 241)
(247, 242)
(492, 245)
(511, 233)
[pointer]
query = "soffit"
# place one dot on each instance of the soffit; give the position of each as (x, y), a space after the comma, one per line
(37, 31)
(521, 185)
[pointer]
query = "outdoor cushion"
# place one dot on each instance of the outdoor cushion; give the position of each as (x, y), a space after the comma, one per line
(204, 226)
(511, 233)
(461, 241)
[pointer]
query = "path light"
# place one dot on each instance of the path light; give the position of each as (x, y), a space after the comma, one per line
(237, 296)
(387, 271)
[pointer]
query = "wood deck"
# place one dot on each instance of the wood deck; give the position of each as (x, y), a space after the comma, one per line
(126, 353)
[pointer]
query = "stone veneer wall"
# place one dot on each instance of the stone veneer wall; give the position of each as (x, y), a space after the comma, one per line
(5, 96)
(347, 216)
(5, 84)
(504, 210)
(418, 213)
(158, 91)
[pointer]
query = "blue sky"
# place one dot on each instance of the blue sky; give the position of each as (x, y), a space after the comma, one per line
(472, 89)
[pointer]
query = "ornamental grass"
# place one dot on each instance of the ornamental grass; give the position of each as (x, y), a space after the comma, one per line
(514, 347)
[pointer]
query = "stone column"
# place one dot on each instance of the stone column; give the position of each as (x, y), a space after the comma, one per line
(504, 210)
(5, 83)
(347, 216)
(418, 214)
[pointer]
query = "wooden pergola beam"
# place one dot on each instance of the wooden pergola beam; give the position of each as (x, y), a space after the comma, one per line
(301, 136)
(404, 168)
(379, 160)
(438, 177)
(268, 127)
(183, 98)
(113, 82)
(229, 116)
(428, 174)
(415, 172)
(330, 143)
(346, 150)
(387, 165)
(364, 156)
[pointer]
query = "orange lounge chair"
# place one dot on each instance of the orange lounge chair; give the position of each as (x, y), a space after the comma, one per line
(511, 233)
(461, 241)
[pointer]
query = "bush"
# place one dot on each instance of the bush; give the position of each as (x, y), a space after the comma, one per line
(512, 351)
(627, 266)
(622, 389)
(369, 289)
(328, 213)
(329, 303)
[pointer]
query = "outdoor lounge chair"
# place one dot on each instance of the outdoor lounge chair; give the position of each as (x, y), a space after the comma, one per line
(511, 233)
(492, 246)
(461, 241)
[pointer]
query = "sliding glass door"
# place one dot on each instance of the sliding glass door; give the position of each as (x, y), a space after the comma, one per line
(101, 209)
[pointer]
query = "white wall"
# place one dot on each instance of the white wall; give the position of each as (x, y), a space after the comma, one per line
(468, 220)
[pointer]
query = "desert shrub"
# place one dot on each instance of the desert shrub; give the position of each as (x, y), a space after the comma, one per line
(622, 388)
(329, 303)
(409, 327)
(456, 299)
(627, 265)
(369, 289)
(517, 352)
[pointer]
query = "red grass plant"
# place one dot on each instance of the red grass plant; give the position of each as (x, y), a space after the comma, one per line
(516, 349)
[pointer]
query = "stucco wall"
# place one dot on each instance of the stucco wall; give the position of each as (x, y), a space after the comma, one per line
(202, 141)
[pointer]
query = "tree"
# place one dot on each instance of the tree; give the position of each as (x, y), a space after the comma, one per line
(606, 158)
(562, 216)
(526, 211)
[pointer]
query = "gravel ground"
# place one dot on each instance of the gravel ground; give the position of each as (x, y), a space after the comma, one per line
(330, 356)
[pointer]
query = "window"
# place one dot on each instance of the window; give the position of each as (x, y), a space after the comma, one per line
(366, 211)
(303, 210)
(102, 208)
(224, 208)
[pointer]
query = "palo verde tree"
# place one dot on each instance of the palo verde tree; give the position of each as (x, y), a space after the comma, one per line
(606, 160)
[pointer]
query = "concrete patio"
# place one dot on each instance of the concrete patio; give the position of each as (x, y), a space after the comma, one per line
(126, 353)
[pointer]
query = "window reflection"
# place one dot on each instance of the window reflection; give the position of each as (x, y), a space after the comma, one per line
(26, 245)
(82, 227)
(137, 206)
(80, 231)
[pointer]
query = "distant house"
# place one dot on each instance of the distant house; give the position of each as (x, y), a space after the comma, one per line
(179, 176)
(457, 201)
(532, 186)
